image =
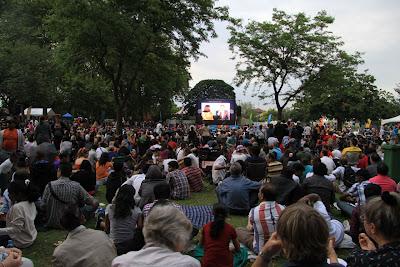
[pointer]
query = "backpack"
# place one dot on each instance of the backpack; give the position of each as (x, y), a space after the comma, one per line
(349, 177)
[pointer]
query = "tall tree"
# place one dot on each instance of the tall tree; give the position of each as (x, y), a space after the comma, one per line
(278, 56)
(208, 89)
(338, 90)
(28, 75)
(125, 42)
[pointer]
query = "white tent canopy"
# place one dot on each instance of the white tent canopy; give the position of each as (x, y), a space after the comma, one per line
(395, 119)
(37, 112)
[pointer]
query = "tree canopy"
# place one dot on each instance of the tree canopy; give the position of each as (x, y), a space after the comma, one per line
(140, 48)
(207, 89)
(338, 90)
(278, 56)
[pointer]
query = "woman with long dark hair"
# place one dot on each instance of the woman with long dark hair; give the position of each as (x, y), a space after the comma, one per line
(122, 220)
(215, 240)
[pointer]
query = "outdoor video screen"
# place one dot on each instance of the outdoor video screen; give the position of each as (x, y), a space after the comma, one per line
(215, 111)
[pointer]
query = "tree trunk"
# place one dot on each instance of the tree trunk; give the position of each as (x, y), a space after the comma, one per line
(280, 113)
(119, 119)
(339, 124)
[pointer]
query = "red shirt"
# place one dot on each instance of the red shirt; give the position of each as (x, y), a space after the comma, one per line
(195, 178)
(10, 140)
(385, 182)
(216, 251)
(363, 162)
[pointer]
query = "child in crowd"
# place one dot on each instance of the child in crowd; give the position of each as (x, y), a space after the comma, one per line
(20, 226)
(216, 238)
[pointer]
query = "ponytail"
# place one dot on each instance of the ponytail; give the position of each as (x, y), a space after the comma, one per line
(217, 226)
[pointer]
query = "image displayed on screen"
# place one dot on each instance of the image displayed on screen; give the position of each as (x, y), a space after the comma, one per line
(216, 111)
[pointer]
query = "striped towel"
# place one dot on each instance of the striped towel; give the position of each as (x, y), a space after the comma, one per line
(198, 215)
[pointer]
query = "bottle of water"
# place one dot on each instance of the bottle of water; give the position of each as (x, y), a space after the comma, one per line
(10, 243)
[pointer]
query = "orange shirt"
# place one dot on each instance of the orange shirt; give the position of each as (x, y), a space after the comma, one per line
(102, 170)
(10, 140)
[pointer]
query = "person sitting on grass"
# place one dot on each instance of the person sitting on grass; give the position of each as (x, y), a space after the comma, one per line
(178, 181)
(194, 175)
(122, 219)
(86, 177)
(216, 237)
(161, 192)
(237, 192)
(20, 220)
(262, 220)
(303, 237)
(115, 180)
(103, 167)
(356, 222)
(382, 225)
(153, 178)
(82, 247)
(166, 233)
(63, 192)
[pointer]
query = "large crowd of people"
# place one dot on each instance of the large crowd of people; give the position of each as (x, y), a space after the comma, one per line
(295, 183)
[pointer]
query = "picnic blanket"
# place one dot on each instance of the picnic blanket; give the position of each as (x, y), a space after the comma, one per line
(198, 215)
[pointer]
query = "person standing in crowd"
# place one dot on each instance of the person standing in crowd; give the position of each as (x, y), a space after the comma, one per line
(11, 138)
(63, 192)
(82, 247)
(43, 131)
(215, 239)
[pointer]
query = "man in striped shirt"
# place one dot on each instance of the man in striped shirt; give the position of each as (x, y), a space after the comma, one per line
(194, 175)
(262, 220)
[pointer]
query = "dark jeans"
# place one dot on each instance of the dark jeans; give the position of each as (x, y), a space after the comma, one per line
(346, 207)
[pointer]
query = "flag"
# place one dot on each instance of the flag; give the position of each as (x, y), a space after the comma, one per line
(269, 118)
(251, 118)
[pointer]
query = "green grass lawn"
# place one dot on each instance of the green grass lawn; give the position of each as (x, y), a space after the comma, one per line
(41, 251)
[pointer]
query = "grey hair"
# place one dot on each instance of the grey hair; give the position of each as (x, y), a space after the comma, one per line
(167, 226)
(235, 169)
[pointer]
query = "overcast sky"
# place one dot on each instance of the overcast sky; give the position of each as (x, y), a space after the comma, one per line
(368, 26)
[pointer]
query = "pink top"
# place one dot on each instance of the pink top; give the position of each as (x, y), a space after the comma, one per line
(385, 182)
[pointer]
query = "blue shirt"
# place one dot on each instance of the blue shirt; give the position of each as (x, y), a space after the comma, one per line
(278, 152)
(234, 192)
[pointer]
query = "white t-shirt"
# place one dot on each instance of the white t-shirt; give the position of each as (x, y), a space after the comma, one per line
(307, 130)
(136, 181)
(238, 156)
(336, 228)
(6, 166)
(219, 175)
(330, 165)
(195, 160)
